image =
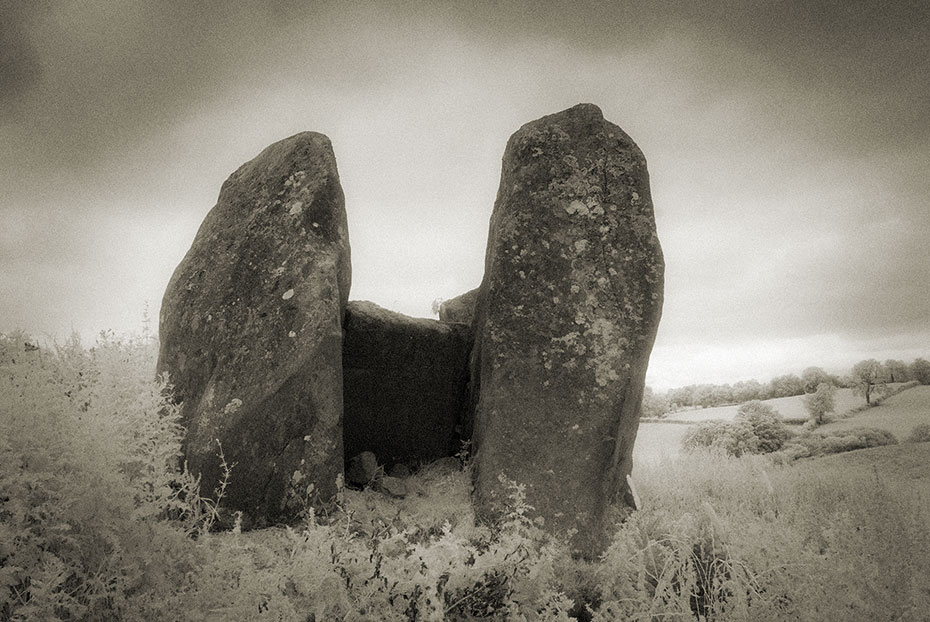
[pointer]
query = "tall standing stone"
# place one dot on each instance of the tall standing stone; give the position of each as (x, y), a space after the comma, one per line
(251, 331)
(565, 321)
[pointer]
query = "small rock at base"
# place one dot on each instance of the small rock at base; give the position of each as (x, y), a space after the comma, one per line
(400, 471)
(362, 469)
(393, 486)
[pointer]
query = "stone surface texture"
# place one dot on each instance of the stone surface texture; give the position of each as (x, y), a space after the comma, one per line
(405, 384)
(564, 324)
(460, 309)
(251, 331)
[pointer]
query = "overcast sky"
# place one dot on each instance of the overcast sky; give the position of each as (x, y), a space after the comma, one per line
(788, 145)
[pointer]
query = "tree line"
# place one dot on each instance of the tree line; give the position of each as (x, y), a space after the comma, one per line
(865, 375)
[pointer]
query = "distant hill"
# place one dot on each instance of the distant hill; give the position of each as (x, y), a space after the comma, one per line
(788, 407)
(659, 440)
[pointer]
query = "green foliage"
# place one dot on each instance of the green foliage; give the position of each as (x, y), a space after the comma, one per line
(821, 402)
(920, 371)
(839, 441)
(90, 490)
(868, 376)
(757, 428)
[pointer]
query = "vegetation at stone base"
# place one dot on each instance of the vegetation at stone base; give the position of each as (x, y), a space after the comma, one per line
(95, 516)
(97, 524)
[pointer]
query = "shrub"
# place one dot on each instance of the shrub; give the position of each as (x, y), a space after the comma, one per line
(757, 429)
(733, 438)
(766, 424)
(839, 441)
(89, 484)
(920, 433)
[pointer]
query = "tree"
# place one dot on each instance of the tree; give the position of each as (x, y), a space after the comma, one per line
(654, 405)
(821, 402)
(747, 390)
(813, 377)
(897, 371)
(785, 386)
(920, 371)
(868, 376)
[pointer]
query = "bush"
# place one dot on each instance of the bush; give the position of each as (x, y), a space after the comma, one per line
(766, 424)
(920, 433)
(90, 489)
(757, 429)
(839, 441)
(732, 438)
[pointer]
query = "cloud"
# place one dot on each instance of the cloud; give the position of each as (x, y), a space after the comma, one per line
(19, 63)
(787, 143)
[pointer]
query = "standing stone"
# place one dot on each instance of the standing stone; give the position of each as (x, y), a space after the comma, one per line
(564, 324)
(405, 383)
(251, 332)
(460, 309)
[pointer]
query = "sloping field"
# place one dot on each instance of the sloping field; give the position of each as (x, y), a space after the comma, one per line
(657, 442)
(907, 464)
(898, 414)
(789, 407)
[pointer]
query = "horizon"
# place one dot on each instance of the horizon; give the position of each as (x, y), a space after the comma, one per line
(787, 148)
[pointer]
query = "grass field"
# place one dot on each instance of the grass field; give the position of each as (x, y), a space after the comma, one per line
(898, 414)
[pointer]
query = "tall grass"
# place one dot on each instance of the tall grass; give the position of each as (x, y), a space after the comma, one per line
(97, 522)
